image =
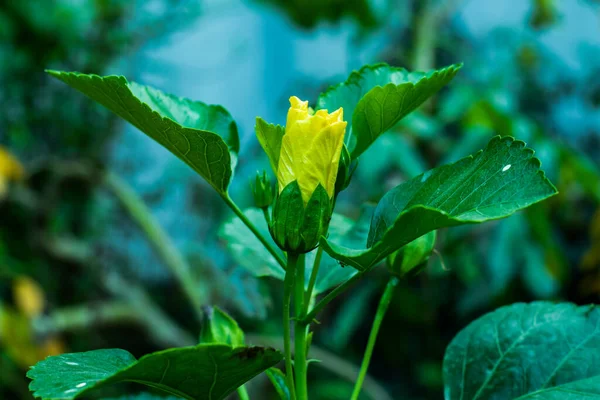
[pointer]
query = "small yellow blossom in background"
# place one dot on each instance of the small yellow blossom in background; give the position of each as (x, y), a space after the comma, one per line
(16, 333)
(311, 148)
(28, 296)
(10, 170)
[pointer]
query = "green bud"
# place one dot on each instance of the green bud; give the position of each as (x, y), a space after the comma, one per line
(262, 189)
(296, 227)
(413, 256)
(219, 327)
(346, 169)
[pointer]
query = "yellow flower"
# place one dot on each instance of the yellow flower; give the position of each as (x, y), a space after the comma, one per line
(311, 148)
(10, 169)
(29, 296)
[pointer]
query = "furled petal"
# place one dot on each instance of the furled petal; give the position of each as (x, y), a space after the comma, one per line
(321, 162)
(310, 148)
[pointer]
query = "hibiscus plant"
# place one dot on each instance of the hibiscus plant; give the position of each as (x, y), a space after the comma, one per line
(318, 254)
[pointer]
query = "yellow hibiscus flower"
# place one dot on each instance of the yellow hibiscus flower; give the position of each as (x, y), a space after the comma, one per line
(311, 148)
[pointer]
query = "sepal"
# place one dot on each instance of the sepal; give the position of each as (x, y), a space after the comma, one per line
(298, 228)
(413, 257)
(346, 169)
(262, 190)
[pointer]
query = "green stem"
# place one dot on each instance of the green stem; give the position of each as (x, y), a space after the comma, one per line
(300, 332)
(158, 238)
(313, 279)
(265, 211)
(288, 286)
(330, 296)
(243, 393)
(255, 231)
(384, 303)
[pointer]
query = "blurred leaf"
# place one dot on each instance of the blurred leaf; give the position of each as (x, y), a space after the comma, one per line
(342, 230)
(584, 172)
(544, 14)
(277, 378)
(203, 136)
(539, 350)
(308, 13)
(219, 327)
(206, 371)
(591, 258)
(18, 338)
(536, 274)
(379, 96)
(144, 396)
(492, 184)
(247, 250)
(350, 316)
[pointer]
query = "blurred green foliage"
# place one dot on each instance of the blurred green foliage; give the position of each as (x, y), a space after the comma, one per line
(51, 222)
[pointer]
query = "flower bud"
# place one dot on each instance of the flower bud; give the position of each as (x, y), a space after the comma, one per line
(295, 227)
(412, 257)
(345, 170)
(262, 190)
(307, 159)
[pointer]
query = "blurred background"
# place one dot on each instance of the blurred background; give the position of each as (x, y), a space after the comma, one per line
(90, 208)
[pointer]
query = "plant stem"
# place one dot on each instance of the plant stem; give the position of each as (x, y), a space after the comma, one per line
(331, 362)
(384, 303)
(158, 238)
(330, 296)
(255, 231)
(243, 393)
(288, 286)
(265, 211)
(313, 279)
(300, 331)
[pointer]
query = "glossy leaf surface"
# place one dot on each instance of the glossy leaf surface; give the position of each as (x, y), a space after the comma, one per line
(491, 184)
(376, 97)
(203, 136)
(537, 351)
(203, 372)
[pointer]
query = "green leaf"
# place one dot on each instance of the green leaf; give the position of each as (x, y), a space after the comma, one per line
(204, 136)
(378, 96)
(246, 249)
(219, 327)
(494, 183)
(347, 232)
(526, 351)
(143, 396)
(270, 137)
(278, 380)
(203, 372)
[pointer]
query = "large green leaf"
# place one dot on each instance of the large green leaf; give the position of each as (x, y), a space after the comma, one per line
(494, 183)
(204, 136)
(203, 372)
(376, 97)
(527, 351)
(247, 250)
